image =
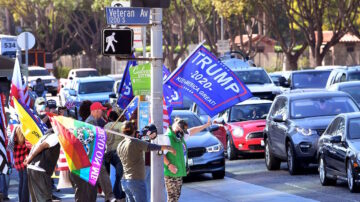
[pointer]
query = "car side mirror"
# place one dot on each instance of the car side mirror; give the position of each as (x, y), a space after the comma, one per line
(283, 82)
(219, 121)
(335, 139)
(278, 118)
(213, 128)
(112, 95)
(72, 92)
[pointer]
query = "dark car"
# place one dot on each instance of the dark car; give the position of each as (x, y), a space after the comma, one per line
(205, 151)
(339, 151)
(351, 87)
(295, 123)
(309, 79)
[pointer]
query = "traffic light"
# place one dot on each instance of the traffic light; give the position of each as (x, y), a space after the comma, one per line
(150, 3)
(117, 41)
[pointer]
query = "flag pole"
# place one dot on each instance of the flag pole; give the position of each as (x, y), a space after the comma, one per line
(122, 113)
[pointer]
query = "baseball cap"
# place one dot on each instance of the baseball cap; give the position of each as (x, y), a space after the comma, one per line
(96, 106)
(51, 104)
(40, 101)
(152, 128)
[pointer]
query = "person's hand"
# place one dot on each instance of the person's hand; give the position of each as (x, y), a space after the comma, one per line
(209, 121)
(172, 150)
(26, 161)
(172, 168)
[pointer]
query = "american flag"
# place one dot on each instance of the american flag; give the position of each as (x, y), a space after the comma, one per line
(18, 86)
(4, 168)
(166, 116)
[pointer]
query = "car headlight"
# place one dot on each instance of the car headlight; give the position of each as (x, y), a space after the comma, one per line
(238, 132)
(304, 131)
(214, 148)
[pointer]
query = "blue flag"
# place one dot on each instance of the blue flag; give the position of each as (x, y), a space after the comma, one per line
(171, 96)
(131, 108)
(125, 89)
(208, 82)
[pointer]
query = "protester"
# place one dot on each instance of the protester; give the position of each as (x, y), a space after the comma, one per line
(84, 110)
(151, 134)
(95, 118)
(41, 164)
(21, 149)
(39, 88)
(62, 111)
(131, 152)
(110, 156)
(175, 165)
(4, 185)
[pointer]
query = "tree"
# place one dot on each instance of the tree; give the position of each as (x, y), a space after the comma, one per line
(241, 18)
(86, 27)
(177, 36)
(284, 32)
(313, 16)
(46, 19)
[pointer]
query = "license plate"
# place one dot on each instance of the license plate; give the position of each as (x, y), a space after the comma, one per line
(190, 162)
(262, 143)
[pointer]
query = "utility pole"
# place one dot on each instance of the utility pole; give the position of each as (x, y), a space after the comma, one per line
(156, 100)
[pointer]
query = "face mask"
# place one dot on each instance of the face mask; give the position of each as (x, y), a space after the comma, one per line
(40, 108)
(179, 134)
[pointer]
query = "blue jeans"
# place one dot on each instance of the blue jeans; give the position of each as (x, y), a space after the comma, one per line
(148, 182)
(135, 190)
(115, 161)
(4, 185)
(23, 191)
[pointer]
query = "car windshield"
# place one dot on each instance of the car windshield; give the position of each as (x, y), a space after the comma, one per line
(39, 72)
(249, 112)
(96, 87)
(253, 76)
(354, 128)
(191, 119)
(86, 73)
(354, 76)
(310, 79)
(321, 106)
(354, 91)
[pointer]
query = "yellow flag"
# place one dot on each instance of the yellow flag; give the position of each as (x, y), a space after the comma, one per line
(29, 125)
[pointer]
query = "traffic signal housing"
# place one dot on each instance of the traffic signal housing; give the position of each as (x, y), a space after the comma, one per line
(150, 3)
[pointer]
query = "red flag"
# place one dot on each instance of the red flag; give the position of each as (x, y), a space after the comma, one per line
(18, 87)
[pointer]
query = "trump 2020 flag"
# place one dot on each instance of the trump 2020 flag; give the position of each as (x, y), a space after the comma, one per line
(131, 108)
(171, 96)
(125, 90)
(208, 82)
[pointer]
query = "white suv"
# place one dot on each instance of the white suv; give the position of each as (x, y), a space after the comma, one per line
(51, 83)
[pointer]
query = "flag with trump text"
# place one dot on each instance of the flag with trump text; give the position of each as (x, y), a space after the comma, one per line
(208, 82)
(83, 145)
(31, 126)
(125, 89)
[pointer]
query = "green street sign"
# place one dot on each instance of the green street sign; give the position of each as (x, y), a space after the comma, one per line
(141, 79)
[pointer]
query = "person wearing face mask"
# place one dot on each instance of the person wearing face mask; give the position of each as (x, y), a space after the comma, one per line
(175, 165)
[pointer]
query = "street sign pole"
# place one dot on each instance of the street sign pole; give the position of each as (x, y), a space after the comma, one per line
(26, 59)
(157, 161)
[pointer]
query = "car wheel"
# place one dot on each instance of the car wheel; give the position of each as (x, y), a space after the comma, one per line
(272, 163)
(293, 165)
(230, 150)
(353, 186)
(324, 180)
(218, 174)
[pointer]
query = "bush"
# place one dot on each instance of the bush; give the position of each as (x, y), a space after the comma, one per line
(61, 72)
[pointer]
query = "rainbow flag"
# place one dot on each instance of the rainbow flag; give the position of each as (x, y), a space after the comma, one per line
(84, 147)
(32, 128)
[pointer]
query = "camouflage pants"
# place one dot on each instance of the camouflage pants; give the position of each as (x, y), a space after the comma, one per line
(173, 188)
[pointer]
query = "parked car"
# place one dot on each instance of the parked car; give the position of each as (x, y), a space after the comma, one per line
(279, 79)
(205, 151)
(351, 87)
(295, 123)
(115, 95)
(95, 89)
(244, 124)
(309, 79)
(329, 67)
(351, 73)
(339, 151)
(50, 81)
(77, 73)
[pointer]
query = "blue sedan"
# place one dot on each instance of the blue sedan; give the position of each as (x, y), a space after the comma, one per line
(205, 151)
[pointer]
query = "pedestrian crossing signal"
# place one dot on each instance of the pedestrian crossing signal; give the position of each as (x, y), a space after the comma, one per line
(117, 41)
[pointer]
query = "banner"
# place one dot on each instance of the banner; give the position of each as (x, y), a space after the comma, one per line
(210, 83)
(131, 108)
(125, 90)
(171, 96)
(141, 79)
(84, 147)
(143, 114)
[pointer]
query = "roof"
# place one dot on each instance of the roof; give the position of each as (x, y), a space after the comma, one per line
(351, 115)
(347, 38)
(182, 112)
(347, 84)
(94, 79)
(254, 101)
(310, 70)
(255, 38)
(303, 94)
(329, 67)
(36, 68)
(84, 69)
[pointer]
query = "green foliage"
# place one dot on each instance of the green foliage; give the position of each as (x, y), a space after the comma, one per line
(61, 72)
(278, 49)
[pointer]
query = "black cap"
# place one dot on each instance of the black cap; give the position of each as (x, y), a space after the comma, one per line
(51, 103)
(152, 128)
